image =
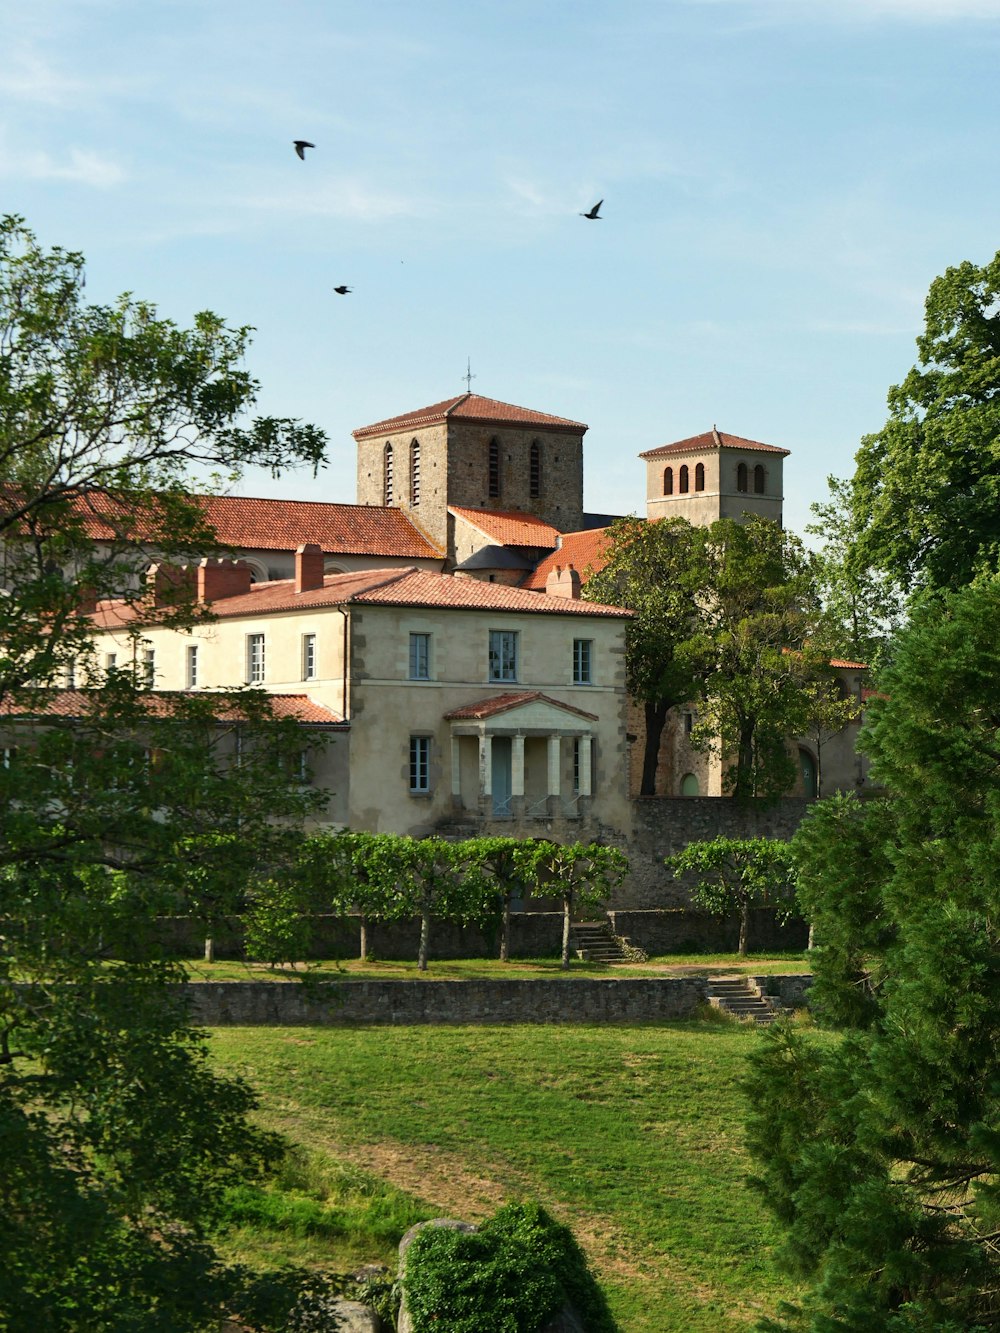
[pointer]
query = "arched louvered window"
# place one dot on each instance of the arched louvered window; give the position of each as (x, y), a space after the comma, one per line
(493, 471)
(758, 480)
(668, 481)
(741, 479)
(699, 476)
(535, 470)
(387, 489)
(414, 472)
(684, 484)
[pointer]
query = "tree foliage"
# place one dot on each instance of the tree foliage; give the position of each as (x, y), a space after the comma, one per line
(881, 1152)
(583, 875)
(735, 875)
(926, 492)
(116, 1133)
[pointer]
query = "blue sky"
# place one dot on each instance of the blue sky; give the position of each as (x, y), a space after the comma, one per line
(782, 180)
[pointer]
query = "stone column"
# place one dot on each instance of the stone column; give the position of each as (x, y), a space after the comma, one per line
(485, 774)
(555, 773)
(586, 749)
(456, 773)
(517, 776)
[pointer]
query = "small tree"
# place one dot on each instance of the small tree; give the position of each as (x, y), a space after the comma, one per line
(508, 867)
(736, 875)
(581, 874)
(347, 873)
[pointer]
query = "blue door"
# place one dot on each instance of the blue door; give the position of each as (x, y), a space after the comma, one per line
(501, 749)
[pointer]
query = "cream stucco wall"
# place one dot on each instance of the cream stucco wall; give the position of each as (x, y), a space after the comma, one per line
(720, 498)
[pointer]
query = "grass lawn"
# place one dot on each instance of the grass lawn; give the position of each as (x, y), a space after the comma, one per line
(630, 1135)
(465, 968)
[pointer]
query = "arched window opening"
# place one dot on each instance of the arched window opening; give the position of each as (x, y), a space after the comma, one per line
(414, 472)
(387, 476)
(807, 767)
(535, 470)
(758, 479)
(683, 482)
(493, 478)
(689, 785)
(668, 481)
(741, 479)
(699, 477)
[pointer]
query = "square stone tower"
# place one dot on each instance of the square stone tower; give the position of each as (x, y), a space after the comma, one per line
(713, 476)
(475, 452)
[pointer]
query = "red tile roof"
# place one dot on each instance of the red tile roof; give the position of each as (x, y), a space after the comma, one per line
(502, 703)
(583, 550)
(507, 527)
(282, 525)
(79, 704)
(841, 665)
(712, 439)
(470, 407)
(382, 587)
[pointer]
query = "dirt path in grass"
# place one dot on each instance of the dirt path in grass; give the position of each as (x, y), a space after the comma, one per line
(443, 1181)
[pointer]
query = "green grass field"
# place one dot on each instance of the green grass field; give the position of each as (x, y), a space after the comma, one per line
(630, 1135)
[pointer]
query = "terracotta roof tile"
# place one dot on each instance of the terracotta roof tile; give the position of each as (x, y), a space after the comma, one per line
(385, 587)
(78, 704)
(508, 527)
(502, 703)
(282, 525)
(712, 439)
(842, 665)
(582, 550)
(469, 407)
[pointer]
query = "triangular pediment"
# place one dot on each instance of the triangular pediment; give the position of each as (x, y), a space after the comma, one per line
(526, 709)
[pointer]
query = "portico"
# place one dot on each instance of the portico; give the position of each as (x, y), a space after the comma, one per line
(522, 756)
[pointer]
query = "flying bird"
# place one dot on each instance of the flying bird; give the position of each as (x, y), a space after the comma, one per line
(343, 290)
(301, 145)
(593, 212)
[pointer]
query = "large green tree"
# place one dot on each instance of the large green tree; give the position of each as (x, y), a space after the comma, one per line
(760, 659)
(926, 492)
(658, 571)
(881, 1151)
(115, 1133)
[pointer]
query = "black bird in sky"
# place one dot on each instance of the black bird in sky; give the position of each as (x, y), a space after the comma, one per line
(301, 145)
(593, 212)
(343, 290)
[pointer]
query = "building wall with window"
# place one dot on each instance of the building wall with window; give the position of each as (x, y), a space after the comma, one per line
(710, 478)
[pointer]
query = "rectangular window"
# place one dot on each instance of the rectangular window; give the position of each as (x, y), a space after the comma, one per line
(420, 657)
(309, 657)
(191, 669)
(149, 667)
(69, 676)
(583, 656)
(420, 763)
(110, 661)
(503, 655)
(255, 659)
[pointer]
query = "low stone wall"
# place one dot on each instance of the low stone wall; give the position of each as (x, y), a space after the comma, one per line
(791, 988)
(532, 935)
(387, 1003)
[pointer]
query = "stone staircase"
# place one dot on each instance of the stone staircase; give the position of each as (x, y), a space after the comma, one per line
(740, 997)
(595, 942)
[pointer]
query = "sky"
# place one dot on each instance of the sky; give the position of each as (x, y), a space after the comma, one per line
(782, 180)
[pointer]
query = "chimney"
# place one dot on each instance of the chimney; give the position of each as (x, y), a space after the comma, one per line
(222, 578)
(308, 567)
(169, 585)
(563, 583)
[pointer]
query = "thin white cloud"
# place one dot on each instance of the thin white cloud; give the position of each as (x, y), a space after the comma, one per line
(943, 11)
(26, 77)
(80, 166)
(348, 200)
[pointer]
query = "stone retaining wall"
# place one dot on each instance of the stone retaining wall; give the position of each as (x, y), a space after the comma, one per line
(358, 1003)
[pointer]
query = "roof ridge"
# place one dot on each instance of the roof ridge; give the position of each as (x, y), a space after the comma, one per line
(456, 402)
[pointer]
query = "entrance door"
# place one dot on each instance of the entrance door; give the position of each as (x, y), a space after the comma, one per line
(501, 749)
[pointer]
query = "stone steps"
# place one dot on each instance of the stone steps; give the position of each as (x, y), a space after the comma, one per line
(595, 942)
(739, 997)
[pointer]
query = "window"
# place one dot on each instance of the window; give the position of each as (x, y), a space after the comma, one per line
(255, 659)
(8, 756)
(493, 470)
(387, 475)
(414, 472)
(684, 483)
(688, 723)
(148, 667)
(420, 657)
(689, 785)
(535, 470)
(420, 763)
(110, 661)
(758, 480)
(191, 672)
(69, 676)
(503, 654)
(741, 479)
(699, 477)
(668, 481)
(583, 656)
(309, 657)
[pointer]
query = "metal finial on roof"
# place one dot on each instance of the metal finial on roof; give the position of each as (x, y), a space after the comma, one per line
(716, 436)
(468, 376)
